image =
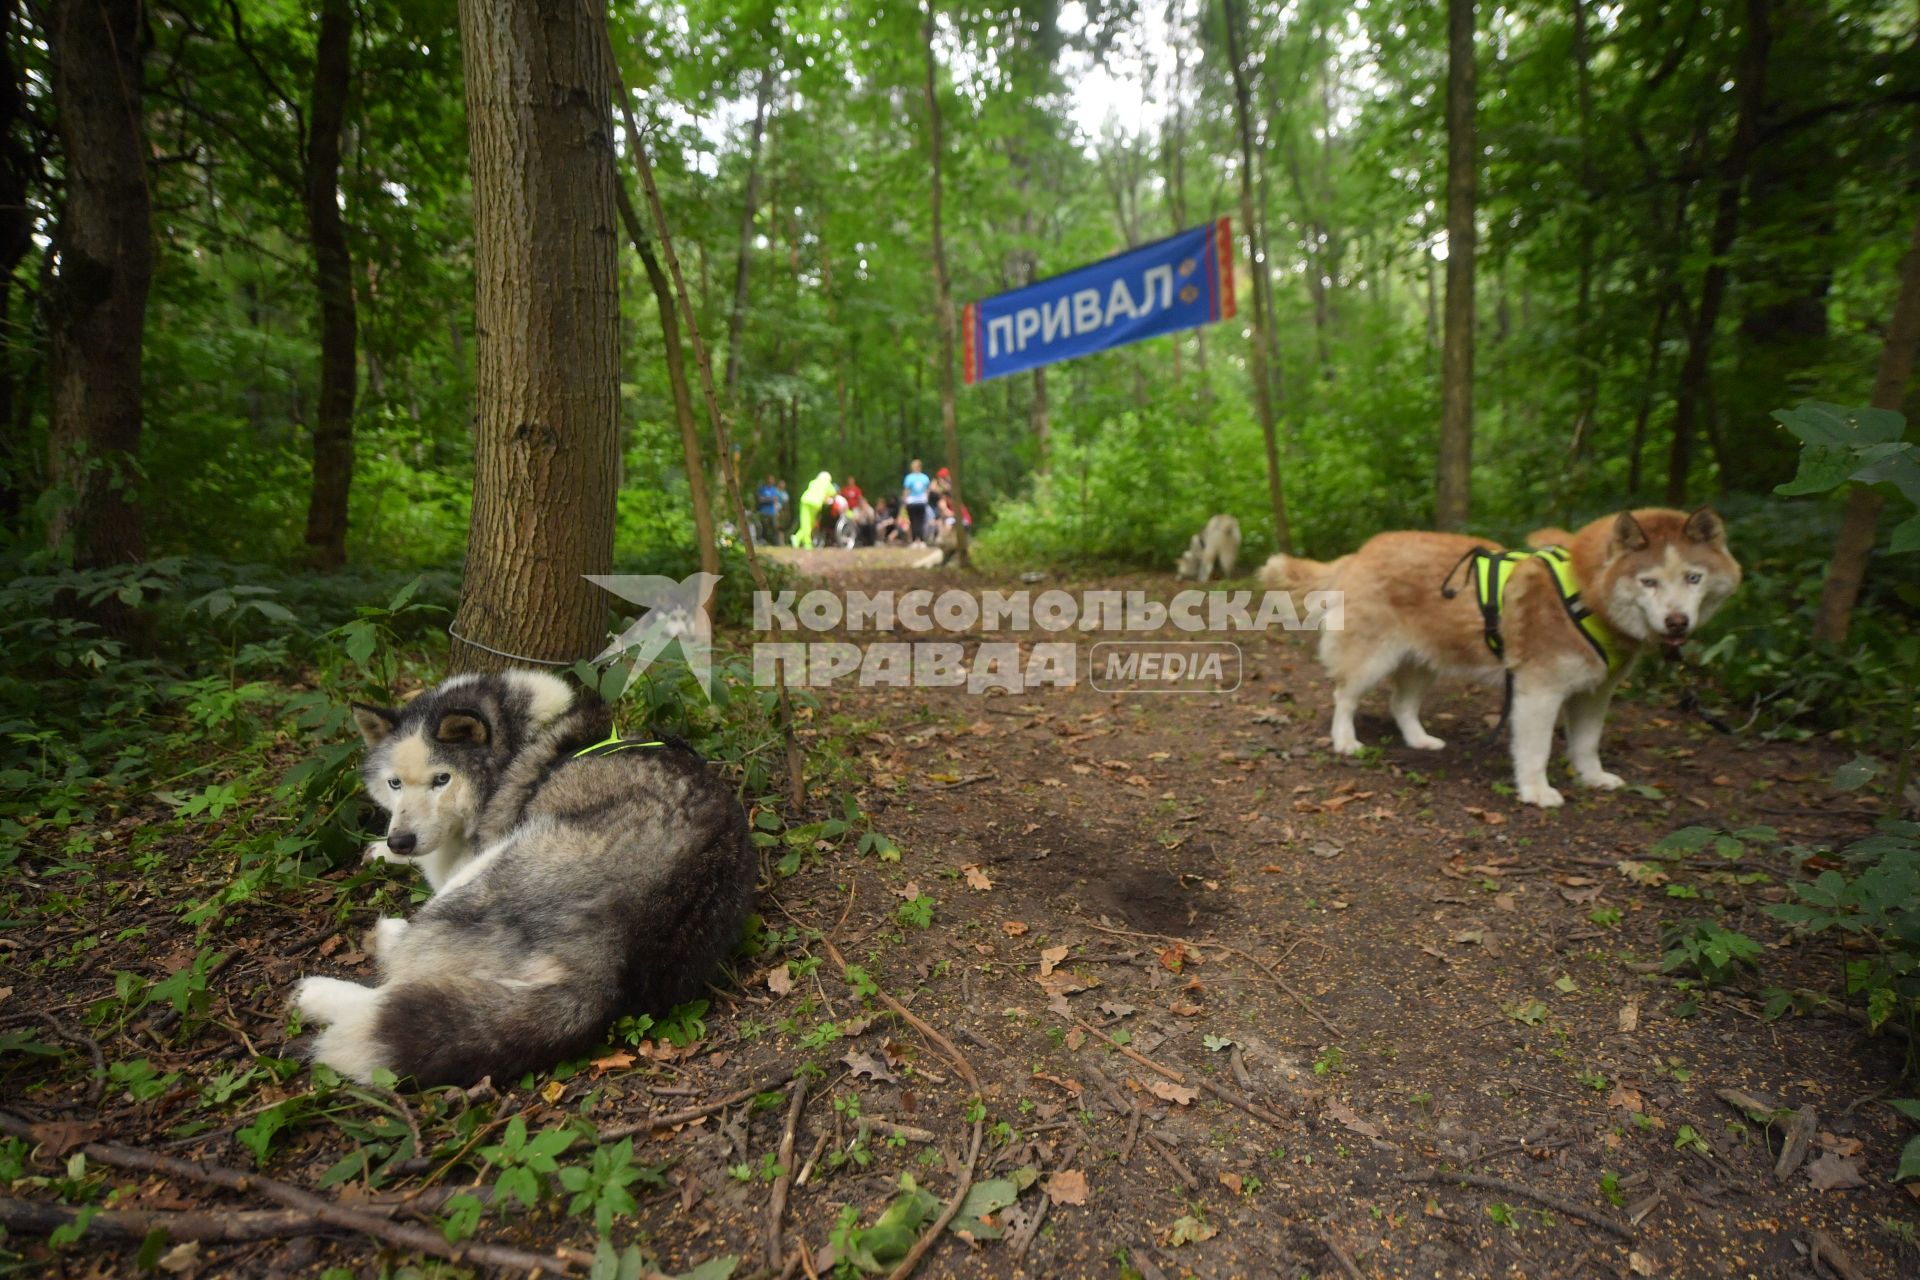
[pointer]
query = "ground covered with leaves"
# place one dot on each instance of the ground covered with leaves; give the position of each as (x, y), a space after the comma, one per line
(1054, 984)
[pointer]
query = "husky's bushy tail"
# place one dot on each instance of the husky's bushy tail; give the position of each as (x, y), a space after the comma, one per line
(1283, 572)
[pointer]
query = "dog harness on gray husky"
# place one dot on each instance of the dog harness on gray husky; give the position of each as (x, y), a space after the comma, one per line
(612, 743)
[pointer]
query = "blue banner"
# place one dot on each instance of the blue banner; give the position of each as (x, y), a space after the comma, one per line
(1181, 282)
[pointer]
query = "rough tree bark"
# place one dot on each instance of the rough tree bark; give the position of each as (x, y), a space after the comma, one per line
(1857, 526)
(1453, 487)
(737, 316)
(1695, 373)
(333, 274)
(942, 293)
(691, 453)
(1257, 268)
(98, 308)
(546, 319)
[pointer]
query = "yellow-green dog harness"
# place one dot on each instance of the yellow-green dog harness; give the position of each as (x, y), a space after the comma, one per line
(1492, 570)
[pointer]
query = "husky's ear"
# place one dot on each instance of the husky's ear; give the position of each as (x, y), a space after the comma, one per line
(1705, 525)
(375, 723)
(463, 727)
(1627, 533)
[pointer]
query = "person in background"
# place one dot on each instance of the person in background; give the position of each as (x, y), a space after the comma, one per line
(771, 497)
(815, 496)
(786, 509)
(859, 511)
(913, 494)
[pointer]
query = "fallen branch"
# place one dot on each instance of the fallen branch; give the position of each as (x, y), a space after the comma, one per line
(1340, 1255)
(768, 1085)
(932, 1235)
(778, 1208)
(218, 1226)
(319, 1209)
(1567, 1207)
(918, 1023)
(894, 1129)
(1179, 1167)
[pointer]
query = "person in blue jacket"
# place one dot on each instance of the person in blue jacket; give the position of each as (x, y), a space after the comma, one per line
(913, 492)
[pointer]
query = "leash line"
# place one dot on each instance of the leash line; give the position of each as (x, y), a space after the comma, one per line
(502, 653)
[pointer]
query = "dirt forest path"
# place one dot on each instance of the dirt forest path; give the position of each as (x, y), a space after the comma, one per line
(1332, 980)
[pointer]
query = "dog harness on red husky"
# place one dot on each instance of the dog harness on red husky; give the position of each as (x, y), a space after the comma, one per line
(1492, 570)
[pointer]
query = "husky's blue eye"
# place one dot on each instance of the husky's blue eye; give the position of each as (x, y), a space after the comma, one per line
(442, 779)
(394, 783)
(1649, 582)
(1693, 579)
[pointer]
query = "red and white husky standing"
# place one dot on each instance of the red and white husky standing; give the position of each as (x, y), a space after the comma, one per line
(1565, 637)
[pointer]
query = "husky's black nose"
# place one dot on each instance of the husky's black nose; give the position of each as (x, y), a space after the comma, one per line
(402, 842)
(1677, 624)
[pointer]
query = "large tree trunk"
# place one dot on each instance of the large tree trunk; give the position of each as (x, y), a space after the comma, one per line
(1042, 428)
(1857, 526)
(1452, 497)
(1257, 268)
(692, 454)
(546, 318)
(1694, 374)
(942, 293)
(333, 273)
(737, 317)
(98, 309)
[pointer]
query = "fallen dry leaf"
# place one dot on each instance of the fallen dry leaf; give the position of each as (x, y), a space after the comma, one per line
(1073, 1087)
(1168, 1091)
(1341, 1113)
(976, 878)
(553, 1091)
(1069, 1186)
(1492, 817)
(1076, 1038)
(1629, 1099)
(618, 1060)
(780, 979)
(1630, 1016)
(1051, 959)
(865, 1064)
(1232, 1182)
(1834, 1173)
(1012, 928)
(1185, 1009)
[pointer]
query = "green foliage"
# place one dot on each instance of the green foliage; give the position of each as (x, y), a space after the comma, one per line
(525, 1161)
(1704, 948)
(878, 1247)
(1860, 446)
(1875, 898)
(600, 1185)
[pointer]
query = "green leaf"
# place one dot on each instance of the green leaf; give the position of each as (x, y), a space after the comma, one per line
(1856, 773)
(712, 1269)
(1906, 535)
(1909, 1162)
(983, 1199)
(1908, 1107)
(1821, 468)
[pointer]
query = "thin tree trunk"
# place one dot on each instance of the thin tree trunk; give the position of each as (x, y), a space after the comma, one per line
(333, 276)
(1655, 342)
(1042, 438)
(1587, 396)
(690, 450)
(722, 437)
(1452, 499)
(1858, 524)
(97, 311)
(1688, 403)
(1262, 318)
(737, 317)
(546, 319)
(16, 238)
(942, 296)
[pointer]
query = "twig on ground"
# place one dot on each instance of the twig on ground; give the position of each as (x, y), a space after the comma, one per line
(1179, 1167)
(1133, 1134)
(97, 1085)
(1823, 1249)
(1271, 971)
(894, 1129)
(1567, 1207)
(321, 1210)
(932, 1235)
(806, 1170)
(958, 783)
(1115, 1099)
(918, 1023)
(1219, 1091)
(778, 1208)
(768, 1085)
(1340, 1255)
(1023, 1239)
(34, 1218)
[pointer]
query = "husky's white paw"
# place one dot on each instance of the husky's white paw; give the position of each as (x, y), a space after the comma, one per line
(1602, 779)
(1346, 744)
(1542, 794)
(1425, 742)
(330, 999)
(378, 852)
(385, 933)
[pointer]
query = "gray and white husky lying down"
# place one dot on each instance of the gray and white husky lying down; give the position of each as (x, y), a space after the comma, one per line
(575, 879)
